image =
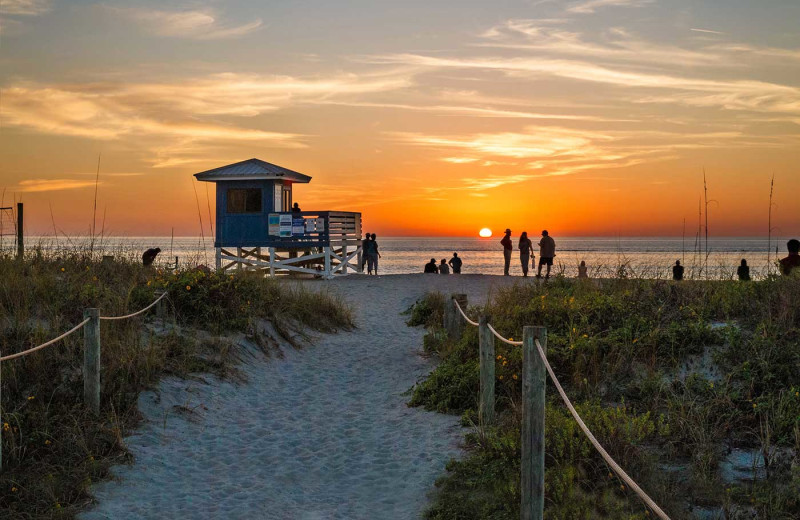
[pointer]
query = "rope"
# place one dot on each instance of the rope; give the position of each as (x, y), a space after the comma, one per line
(135, 313)
(473, 323)
(43, 345)
(617, 469)
(603, 453)
(501, 338)
(76, 327)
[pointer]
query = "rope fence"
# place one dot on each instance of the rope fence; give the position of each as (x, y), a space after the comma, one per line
(532, 507)
(91, 354)
(140, 311)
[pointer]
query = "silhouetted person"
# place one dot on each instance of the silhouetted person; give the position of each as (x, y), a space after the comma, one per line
(296, 208)
(743, 271)
(431, 267)
(582, 270)
(372, 254)
(364, 245)
(677, 271)
(792, 261)
(525, 249)
(455, 263)
(149, 256)
(443, 267)
(547, 251)
(508, 247)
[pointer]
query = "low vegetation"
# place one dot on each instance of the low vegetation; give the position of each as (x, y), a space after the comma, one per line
(53, 449)
(693, 387)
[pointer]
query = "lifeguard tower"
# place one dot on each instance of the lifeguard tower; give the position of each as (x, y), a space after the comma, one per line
(257, 229)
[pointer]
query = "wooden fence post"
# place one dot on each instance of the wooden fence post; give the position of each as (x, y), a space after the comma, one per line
(533, 391)
(20, 231)
(453, 320)
(160, 310)
(91, 360)
(486, 340)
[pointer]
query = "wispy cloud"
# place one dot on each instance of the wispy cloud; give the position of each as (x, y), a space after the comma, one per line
(590, 6)
(195, 24)
(743, 94)
(40, 185)
(176, 118)
(25, 7)
(709, 31)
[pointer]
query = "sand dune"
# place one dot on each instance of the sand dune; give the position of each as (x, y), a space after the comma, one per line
(322, 433)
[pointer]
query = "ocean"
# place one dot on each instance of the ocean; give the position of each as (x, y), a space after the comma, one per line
(648, 257)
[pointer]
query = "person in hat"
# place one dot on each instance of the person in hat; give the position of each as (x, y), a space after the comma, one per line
(431, 267)
(508, 247)
(547, 251)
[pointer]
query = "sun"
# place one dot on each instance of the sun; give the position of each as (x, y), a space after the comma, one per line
(485, 232)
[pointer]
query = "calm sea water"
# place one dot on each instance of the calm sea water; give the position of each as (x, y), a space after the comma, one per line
(646, 257)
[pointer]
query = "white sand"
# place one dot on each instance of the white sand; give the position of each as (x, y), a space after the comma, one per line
(322, 433)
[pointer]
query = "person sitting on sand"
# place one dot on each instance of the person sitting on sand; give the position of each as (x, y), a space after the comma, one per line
(431, 267)
(443, 267)
(743, 271)
(525, 251)
(677, 271)
(455, 263)
(507, 249)
(582, 271)
(296, 208)
(793, 260)
(547, 251)
(149, 256)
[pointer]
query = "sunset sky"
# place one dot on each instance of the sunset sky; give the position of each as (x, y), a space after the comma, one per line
(588, 117)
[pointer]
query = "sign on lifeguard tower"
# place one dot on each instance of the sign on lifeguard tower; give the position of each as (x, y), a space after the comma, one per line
(257, 229)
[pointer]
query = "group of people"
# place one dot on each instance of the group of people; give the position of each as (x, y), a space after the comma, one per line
(370, 254)
(547, 251)
(445, 266)
(787, 264)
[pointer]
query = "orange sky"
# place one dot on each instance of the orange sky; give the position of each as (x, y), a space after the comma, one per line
(591, 117)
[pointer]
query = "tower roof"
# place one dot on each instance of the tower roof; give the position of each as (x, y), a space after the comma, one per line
(249, 170)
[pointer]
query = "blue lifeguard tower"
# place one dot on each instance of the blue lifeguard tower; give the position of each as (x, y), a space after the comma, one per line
(257, 229)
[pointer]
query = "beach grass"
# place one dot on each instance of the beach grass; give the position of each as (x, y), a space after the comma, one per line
(685, 384)
(53, 448)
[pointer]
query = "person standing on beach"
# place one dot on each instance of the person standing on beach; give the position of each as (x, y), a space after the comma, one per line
(677, 271)
(443, 267)
(792, 261)
(508, 247)
(372, 259)
(547, 251)
(743, 272)
(364, 248)
(525, 251)
(455, 263)
(582, 270)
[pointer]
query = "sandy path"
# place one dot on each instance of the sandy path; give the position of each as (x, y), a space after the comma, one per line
(323, 433)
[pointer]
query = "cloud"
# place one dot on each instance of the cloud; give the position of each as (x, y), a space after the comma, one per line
(194, 24)
(734, 94)
(709, 31)
(179, 121)
(41, 185)
(24, 7)
(590, 6)
(615, 45)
